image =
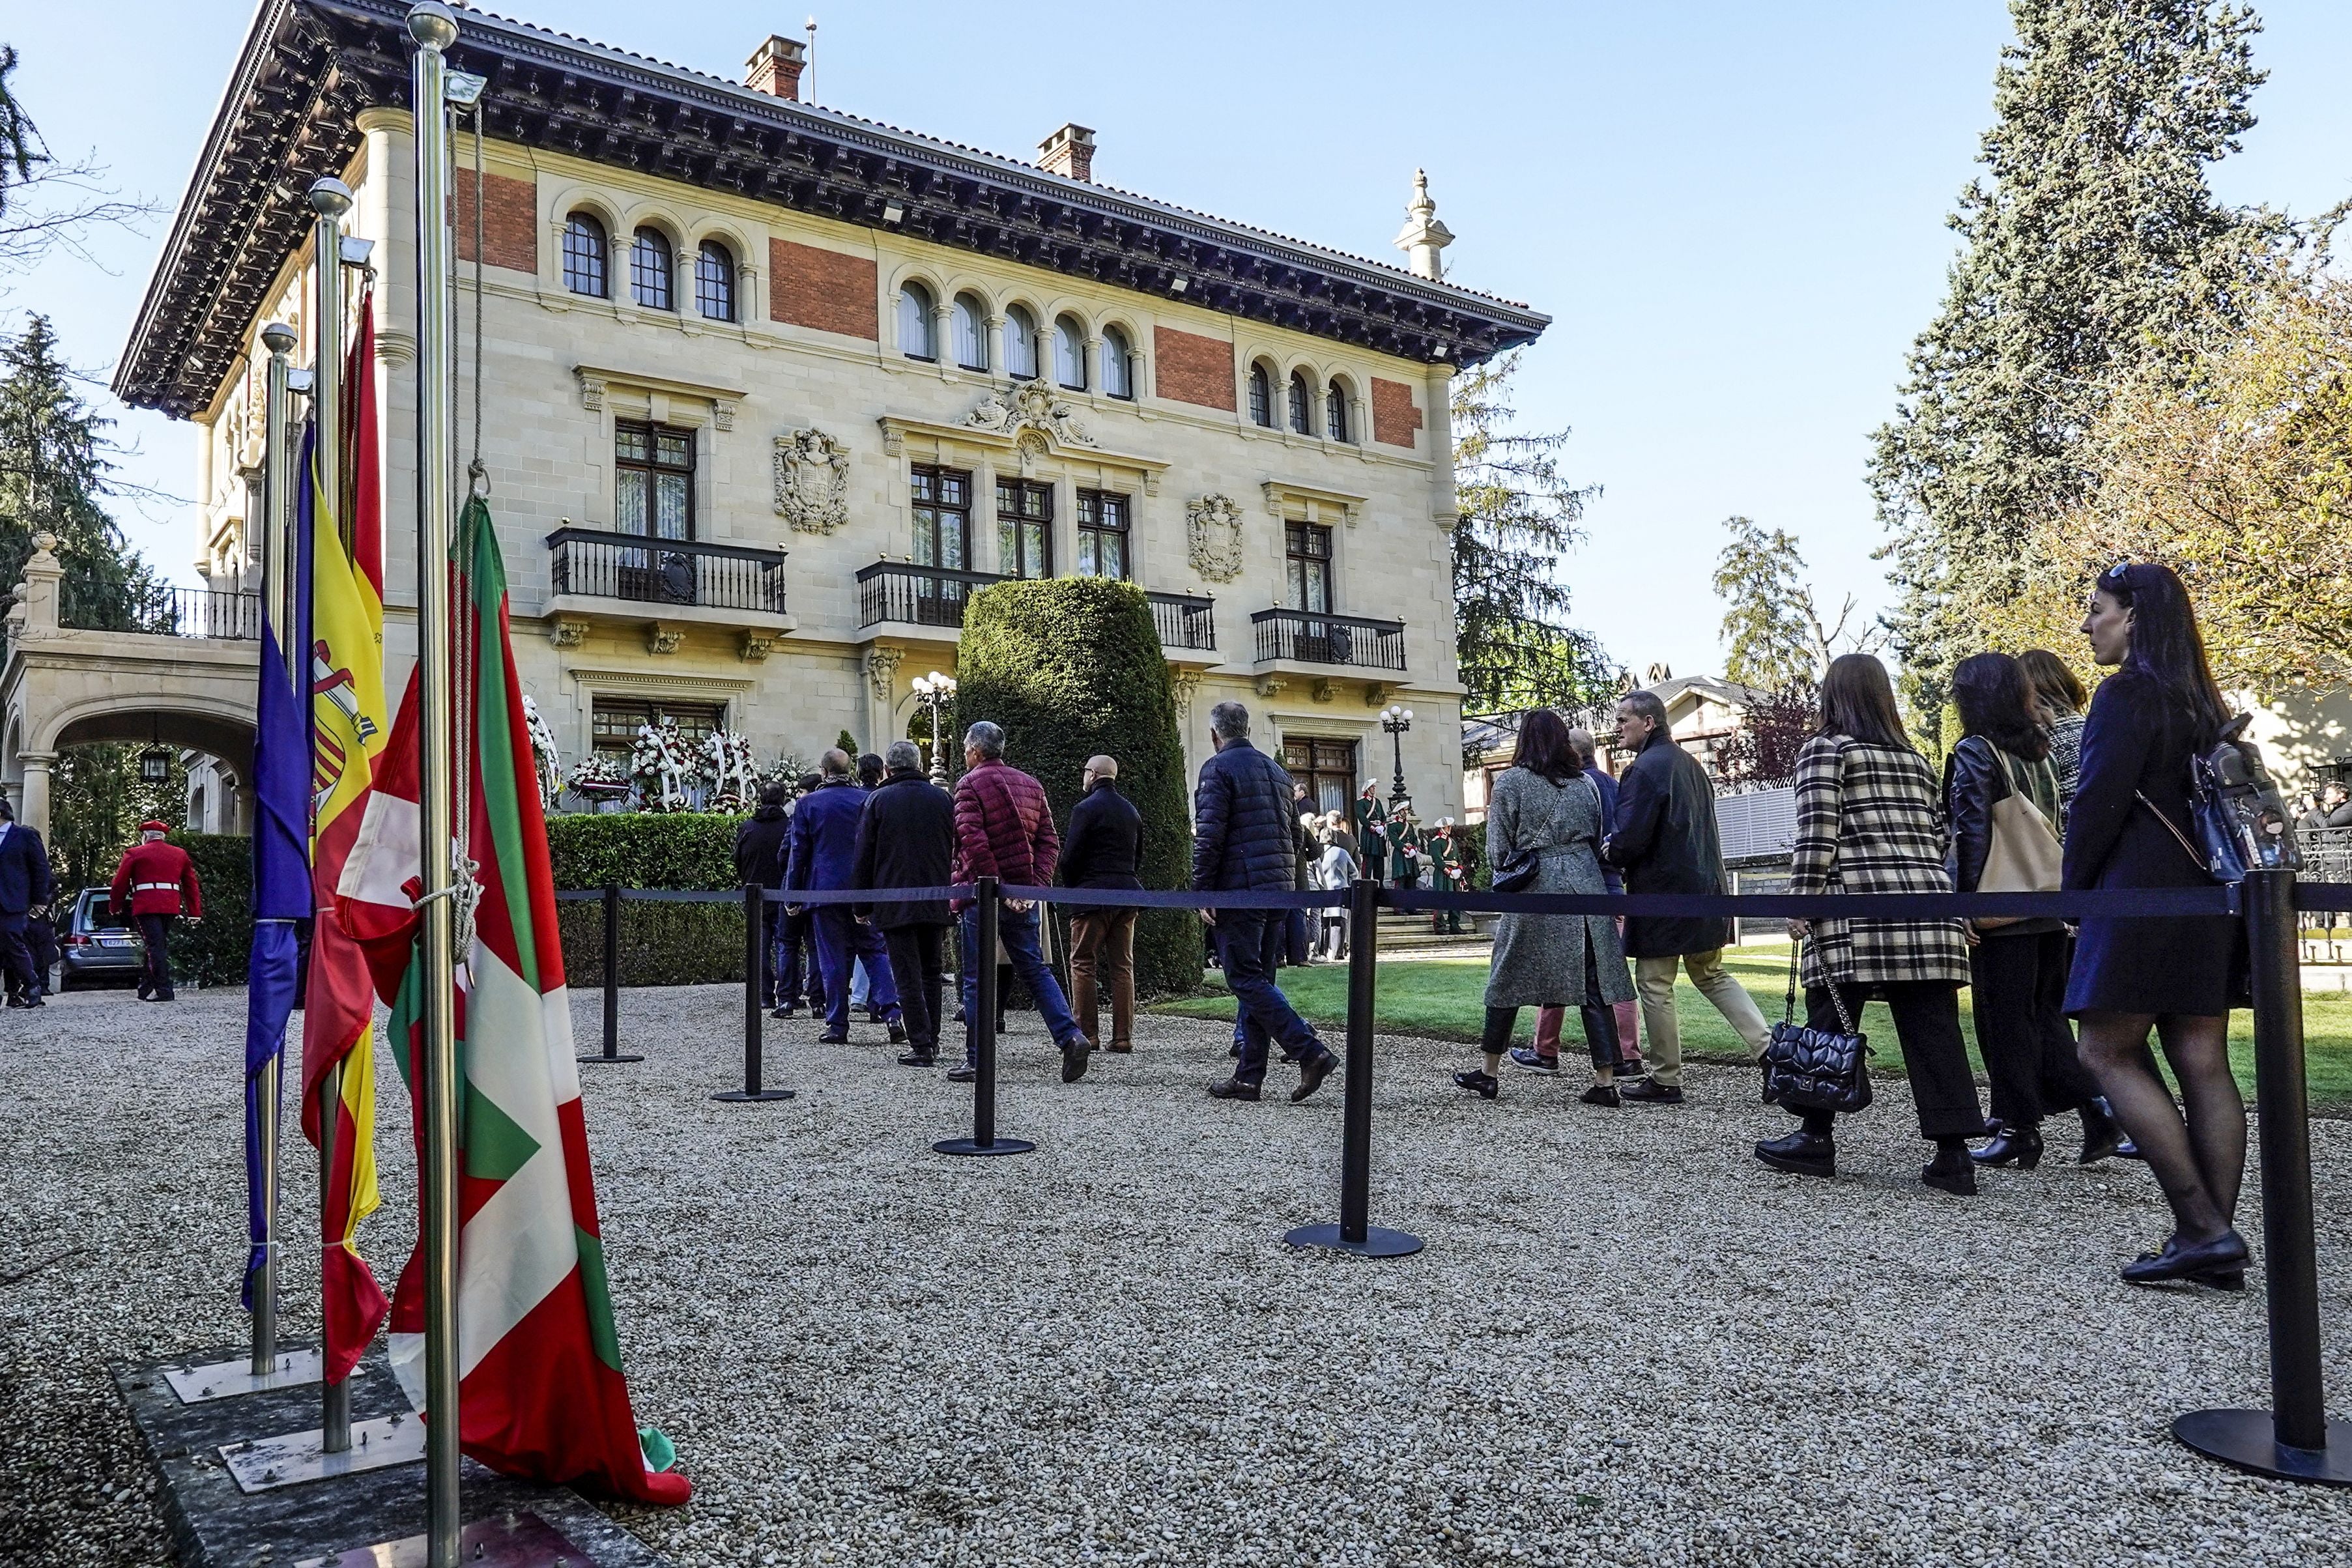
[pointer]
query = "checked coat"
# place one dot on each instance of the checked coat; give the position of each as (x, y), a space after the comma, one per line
(1866, 823)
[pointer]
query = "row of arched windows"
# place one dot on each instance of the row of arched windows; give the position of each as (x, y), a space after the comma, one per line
(1024, 344)
(653, 269)
(1298, 403)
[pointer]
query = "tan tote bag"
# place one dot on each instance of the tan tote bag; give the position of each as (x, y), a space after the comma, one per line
(2025, 856)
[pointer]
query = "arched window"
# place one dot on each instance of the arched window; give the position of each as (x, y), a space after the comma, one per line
(714, 282)
(1020, 344)
(971, 334)
(1118, 363)
(915, 323)
(1069, 354)
(1261, 397)
(1335, 412)
(649, 271)
(584, 255)
(1302, 404)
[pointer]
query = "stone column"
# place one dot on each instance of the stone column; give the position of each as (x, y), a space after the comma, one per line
(943, 335)
(998, 366)
(33, 790)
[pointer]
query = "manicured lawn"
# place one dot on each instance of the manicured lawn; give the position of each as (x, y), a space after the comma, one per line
(1443, 999)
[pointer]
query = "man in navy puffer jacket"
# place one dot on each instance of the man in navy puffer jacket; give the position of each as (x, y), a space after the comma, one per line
(1246, 837)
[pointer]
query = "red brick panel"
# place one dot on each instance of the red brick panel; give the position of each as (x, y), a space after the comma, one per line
(1395, 421)
(510, 221)
(826, 290)
(1193, 369)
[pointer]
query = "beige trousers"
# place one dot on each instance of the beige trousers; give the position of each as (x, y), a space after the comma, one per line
(1654, 979)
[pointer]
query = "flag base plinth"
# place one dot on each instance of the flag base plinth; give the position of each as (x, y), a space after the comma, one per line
(623, 1056)
(751, 1096)
(515, 1540)
(2247, 1440)
(195, 1382)
(1377, 1242)
(261, 1464)
(973, 1147)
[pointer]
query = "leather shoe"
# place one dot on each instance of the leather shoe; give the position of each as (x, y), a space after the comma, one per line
(2020, 1147)
(780, 1013)
(1232, 1089)
(2103, 1136)
(920, 1059)
(1651, 1091)
(898, 1034)
(963, 1074)
(1955, 1172)
(1075, 1051)
(1311, 1074)
(1120, 1047)
(833, 1040)
(1800, 1153)
(1482, 1085)
(2223, 1253)
(1601, 1094)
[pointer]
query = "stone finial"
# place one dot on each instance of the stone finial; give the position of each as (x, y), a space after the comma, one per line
(1422, 235)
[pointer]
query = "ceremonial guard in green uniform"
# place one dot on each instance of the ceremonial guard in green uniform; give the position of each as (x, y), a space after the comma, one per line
(1453, 875)
(1407, 849)
(1371, 830)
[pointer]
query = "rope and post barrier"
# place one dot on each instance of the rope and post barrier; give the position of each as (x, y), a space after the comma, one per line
(755, 970)
(987, 895)
(612, 1052)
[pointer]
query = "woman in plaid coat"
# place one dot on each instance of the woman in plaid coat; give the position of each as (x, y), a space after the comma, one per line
(1867, 822)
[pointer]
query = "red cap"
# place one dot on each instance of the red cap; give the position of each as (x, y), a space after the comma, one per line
(151, 826)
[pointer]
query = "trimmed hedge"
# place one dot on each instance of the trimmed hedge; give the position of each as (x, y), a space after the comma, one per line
(1072, 667)
(661, 943)
(217, 950)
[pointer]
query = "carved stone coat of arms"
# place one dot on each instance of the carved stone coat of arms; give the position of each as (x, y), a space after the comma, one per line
(812, 481)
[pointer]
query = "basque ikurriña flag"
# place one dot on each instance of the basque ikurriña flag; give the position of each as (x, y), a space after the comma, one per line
(541, 1392)
(344, 678)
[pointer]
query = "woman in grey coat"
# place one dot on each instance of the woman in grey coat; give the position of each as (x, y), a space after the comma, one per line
(1543, 807)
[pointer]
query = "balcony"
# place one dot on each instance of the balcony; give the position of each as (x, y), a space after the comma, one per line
(665, 585)
(1291, 637)
(166, 612)
(922, 604)
(1187, 627)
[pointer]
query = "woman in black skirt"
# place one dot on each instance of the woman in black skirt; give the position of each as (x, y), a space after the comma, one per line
(2177, 975)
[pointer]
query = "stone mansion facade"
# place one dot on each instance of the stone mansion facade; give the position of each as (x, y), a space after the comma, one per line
(766, 390)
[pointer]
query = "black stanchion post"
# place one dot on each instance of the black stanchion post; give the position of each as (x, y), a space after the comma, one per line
(612, 1052)
(983, 1139)
(755, 968)
(2293, 1440)
(1356, 1232)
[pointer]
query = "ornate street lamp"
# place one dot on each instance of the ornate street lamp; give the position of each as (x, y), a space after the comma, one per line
(1396, 719)
(936, 692)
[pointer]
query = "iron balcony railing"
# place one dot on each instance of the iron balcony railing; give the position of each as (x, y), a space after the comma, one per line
(1184, 622)
(1309, 638)
(161, 611)
(918, 595)
(597, 563)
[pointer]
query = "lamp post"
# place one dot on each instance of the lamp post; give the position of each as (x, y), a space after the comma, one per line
(937, 692)
(1396, 719)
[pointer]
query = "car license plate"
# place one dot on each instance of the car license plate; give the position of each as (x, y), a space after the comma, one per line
(116, 941)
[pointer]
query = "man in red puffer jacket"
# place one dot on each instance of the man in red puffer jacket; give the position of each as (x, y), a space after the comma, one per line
(158, 881)
(1005, 829)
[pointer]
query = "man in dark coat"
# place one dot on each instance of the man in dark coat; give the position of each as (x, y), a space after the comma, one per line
(25, 885)
(822, 854)
(759, 858)
(1104, 849)
(1665, 841)
(905, 837)
(156, 883)
(1244, 836)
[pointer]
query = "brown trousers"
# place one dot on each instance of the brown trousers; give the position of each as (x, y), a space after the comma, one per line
(1102, 949)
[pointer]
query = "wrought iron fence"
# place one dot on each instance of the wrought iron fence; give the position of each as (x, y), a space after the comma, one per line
(162, 612)
(918, 595)
(1184, 622)
(596, 563)
(1309, 638)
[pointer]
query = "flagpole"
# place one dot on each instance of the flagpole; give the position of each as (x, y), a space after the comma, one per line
(276, 556)
(433, 29)
(330, 199)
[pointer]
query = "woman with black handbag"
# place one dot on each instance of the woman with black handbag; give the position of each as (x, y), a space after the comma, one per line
(1866, 823)
(2131, 826)
(1544, 824)
(2000, 797)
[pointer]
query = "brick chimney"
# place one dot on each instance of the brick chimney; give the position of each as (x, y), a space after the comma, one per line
(775, 67)
(1069, 151)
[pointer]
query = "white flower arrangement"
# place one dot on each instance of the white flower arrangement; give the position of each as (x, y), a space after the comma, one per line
(658, 764)
(733, 776)
(600, 775)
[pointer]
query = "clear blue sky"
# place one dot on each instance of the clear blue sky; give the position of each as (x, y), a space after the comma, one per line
(1734, 212)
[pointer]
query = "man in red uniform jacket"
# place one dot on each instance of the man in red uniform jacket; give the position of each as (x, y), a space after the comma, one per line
(160, 882)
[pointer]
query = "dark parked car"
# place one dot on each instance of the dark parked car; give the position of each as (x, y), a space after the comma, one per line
(94, 946)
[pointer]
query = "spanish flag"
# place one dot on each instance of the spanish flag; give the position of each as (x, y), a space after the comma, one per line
(349, 729)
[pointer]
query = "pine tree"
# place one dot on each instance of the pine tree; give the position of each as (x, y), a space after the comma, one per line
(2091, 241)
(1759, 578)
(1517, 515)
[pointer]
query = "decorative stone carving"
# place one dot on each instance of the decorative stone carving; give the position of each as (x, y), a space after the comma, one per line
(567, 633)
(1375, 693)
(722, 412)
(893, 441)
(1030, 407)
(812, 481)
(592, 391)
(756, 644)
(663, 636)
(1270, 685)
(882, 671)
(1213, 528)
(1187, 687)
(1324, 689)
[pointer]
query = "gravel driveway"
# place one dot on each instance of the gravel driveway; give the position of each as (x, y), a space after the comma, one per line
(1626, 1342)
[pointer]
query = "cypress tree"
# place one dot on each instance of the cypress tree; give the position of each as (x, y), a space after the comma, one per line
(2091, 241)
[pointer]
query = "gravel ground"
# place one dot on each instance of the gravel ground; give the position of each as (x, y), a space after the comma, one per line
(1626, 1342)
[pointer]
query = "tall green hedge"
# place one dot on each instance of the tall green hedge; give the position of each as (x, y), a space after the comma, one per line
(661, 943)
(217, 949)
(1072, 667)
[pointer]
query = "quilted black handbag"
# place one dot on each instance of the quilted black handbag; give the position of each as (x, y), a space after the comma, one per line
(1807, 1068)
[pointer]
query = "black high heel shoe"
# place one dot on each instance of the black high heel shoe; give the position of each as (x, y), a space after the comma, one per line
(2020, 1147)
(2219, 1257)
(2103, 1136)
